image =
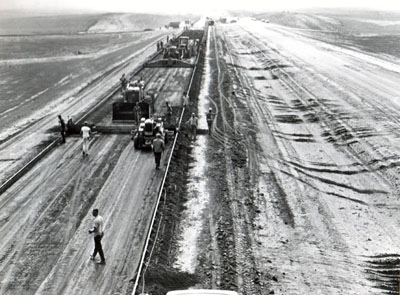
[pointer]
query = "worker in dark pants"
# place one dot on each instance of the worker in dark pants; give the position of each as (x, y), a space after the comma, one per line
(63, 130)
(98, 234)
(158, 148)
(193, 126)
(169, 108)
(137, 111)
(124, 83)
(210, 118)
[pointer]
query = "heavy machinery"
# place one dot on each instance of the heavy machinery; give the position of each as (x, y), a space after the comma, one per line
(133, 95)
(183, 43)
(180, 51)
(171, 51)
(187, 47)
(146, 132)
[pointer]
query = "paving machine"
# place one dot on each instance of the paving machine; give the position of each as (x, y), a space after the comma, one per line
(133, 95)
(171, 51)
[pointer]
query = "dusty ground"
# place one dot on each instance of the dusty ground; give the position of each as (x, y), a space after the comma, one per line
(296, 190)
(45, 216)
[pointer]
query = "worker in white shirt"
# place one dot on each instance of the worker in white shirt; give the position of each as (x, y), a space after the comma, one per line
(85, 132)
(98, 233)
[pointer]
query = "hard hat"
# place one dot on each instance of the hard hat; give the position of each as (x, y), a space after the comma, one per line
(158, 135)
(210, 109)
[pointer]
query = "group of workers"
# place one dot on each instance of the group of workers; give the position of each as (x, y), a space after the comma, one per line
(193, 122)
(85, 131)
(130, 85)
(125, 83)
(158, 147)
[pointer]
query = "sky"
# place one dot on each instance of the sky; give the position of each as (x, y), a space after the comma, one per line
(186, 6)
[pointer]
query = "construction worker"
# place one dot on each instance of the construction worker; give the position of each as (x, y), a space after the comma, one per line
(70, 125)
(85, 132)
(137, 113)
(210, 118)
(63, 129)
(185, 99)
(169, 108)
(158, 148)
(193, 125)
(98, 233)
(124, 83)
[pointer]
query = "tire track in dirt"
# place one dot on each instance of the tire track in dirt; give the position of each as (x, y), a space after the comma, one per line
(48, 224)
(353, 140)
(247, 275)
(250, 94)
(342, 133)
(370, 158)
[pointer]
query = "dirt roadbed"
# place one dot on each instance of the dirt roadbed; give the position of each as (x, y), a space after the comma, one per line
(296, 189)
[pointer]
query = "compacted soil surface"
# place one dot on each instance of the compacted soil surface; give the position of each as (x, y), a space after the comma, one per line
(296, 189)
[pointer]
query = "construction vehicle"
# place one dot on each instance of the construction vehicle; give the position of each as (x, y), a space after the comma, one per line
(133, 94)
(146, 132)
(171, 51)
(187, 47)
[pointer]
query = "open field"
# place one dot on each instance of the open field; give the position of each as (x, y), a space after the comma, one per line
(17, 24)
(32, 83)
(375, 32)
(23, 48)
(51, 69)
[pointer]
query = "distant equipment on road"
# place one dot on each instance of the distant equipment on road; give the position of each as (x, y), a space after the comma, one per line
(174, 25)
(180, 51)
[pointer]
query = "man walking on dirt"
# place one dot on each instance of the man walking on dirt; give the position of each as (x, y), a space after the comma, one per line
(158, 148)
(63, 130)
(193, 126)
(210, 118)
(98, 234)
(85, 132)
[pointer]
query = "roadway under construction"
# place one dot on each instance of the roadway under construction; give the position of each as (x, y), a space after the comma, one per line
(48, 253)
